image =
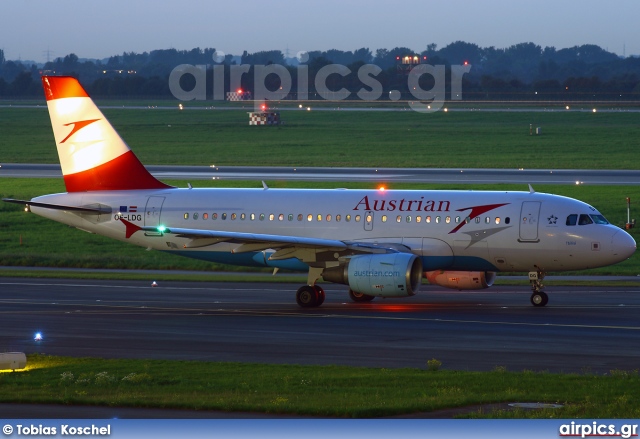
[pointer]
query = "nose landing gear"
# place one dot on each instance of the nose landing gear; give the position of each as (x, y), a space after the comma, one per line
(538, 297)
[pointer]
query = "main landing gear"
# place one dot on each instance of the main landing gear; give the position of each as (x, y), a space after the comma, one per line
(309, 296)
(538, 297)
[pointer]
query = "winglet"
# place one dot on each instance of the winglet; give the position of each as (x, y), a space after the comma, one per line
(130, 228)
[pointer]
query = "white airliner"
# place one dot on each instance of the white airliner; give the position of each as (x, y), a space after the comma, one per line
(378, 242)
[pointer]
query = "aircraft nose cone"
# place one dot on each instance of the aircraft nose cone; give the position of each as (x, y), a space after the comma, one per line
(623, 246)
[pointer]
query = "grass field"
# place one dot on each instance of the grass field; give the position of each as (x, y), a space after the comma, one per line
(346, 138)
(333, 391)
(314, 138)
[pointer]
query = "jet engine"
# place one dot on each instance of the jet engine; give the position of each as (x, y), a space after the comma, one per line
(461, 280)
(381, 275)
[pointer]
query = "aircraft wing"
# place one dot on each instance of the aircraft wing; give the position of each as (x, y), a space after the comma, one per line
(262, 241)
(272, 241)
(201, 238)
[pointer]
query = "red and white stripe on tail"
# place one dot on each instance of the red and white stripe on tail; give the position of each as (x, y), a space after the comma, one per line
(92, 154)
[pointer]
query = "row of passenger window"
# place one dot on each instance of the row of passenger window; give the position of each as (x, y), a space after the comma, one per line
(328, 218)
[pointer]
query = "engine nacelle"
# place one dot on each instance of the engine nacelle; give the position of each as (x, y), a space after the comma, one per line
(461, 280)
(386, 275)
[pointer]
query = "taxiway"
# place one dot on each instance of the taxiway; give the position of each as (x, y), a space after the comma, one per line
(376, 175)
(583, 329)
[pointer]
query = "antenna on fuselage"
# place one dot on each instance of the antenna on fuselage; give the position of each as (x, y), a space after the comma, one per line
(531, 190)
(264, 185)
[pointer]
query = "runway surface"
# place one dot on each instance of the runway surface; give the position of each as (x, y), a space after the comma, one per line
(582, 329)
(381, 175)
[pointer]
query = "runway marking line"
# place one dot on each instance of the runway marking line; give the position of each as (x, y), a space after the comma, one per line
(128, 310)
(135, 287)
(198, 311)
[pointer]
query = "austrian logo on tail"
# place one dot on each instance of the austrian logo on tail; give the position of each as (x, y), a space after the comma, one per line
(77, 126)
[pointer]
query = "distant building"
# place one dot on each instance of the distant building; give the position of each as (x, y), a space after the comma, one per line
(116, 72)
(405, 63)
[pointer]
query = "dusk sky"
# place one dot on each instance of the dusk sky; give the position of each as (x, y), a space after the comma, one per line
(98, 29)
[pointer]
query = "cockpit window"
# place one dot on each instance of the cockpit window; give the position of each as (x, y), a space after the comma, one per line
(584, 220)
(572, 219)
(599, 219)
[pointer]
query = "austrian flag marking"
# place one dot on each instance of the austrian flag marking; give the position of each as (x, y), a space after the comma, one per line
(128, 209)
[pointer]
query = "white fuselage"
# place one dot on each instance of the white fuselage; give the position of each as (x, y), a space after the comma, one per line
(449, 230)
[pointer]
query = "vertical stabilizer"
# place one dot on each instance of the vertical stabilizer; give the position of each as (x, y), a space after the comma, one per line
(92, 154)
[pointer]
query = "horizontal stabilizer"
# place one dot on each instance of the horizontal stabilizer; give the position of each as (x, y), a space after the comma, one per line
(87, 210)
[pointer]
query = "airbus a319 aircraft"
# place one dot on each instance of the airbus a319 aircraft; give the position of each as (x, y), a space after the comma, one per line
(380, 243)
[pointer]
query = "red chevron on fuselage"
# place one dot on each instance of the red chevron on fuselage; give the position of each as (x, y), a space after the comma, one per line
(475, 212)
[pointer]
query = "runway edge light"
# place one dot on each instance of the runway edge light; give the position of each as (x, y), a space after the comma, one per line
(13, 361)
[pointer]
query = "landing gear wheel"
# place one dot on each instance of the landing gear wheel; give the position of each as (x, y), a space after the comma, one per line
(307, 296)
(321, 294)
(539, 298)
(360, 297)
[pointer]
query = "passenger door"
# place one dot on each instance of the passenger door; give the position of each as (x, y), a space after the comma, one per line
(529, 215)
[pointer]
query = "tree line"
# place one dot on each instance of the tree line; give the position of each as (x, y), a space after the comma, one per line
(521, 71)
